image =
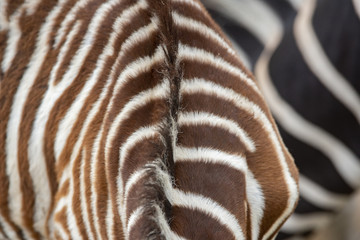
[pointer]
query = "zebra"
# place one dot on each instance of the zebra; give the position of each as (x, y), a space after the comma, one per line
(305, 55)
(126, 119)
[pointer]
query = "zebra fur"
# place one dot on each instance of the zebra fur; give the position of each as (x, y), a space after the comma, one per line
(126, 119)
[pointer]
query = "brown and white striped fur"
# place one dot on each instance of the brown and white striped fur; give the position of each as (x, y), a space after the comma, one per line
(126, 119)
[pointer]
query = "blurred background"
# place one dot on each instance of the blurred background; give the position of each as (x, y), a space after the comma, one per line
(305, 55)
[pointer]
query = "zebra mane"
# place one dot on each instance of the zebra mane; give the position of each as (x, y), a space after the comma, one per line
(161, 171)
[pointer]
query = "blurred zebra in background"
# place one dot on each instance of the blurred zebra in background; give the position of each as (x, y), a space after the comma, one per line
(306, 56)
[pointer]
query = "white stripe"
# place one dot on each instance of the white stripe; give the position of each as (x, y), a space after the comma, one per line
(4, 23)
(199, 27)
(93, 177)
(318, 62)
(256, 201)
(70, 215)
(83, 199)
(205, 118)
(31, 6)
(296, 4)
(110, 219)
(356, 4)
(189, 2)
(200, 55)
(208, 155)
(164, 226)
(319, 196)
(202, 86)
(306, 222)
(263, 26)
(253, 189)
(14, 34)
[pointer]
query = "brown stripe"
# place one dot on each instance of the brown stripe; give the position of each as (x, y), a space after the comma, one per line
(147, 225)
(101, 189)
(211, 137)
(268, 172)
(76, 197)
(88, 192)
(215, 181)
(61, 218)
(135, 197)
(63, 190)
(294, 172)
(193, 224)
(140, 155)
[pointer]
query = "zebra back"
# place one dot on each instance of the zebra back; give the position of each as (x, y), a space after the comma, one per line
(133, 120)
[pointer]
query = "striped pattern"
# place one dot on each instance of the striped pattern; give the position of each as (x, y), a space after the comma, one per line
(126, 119)
(305, 55)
